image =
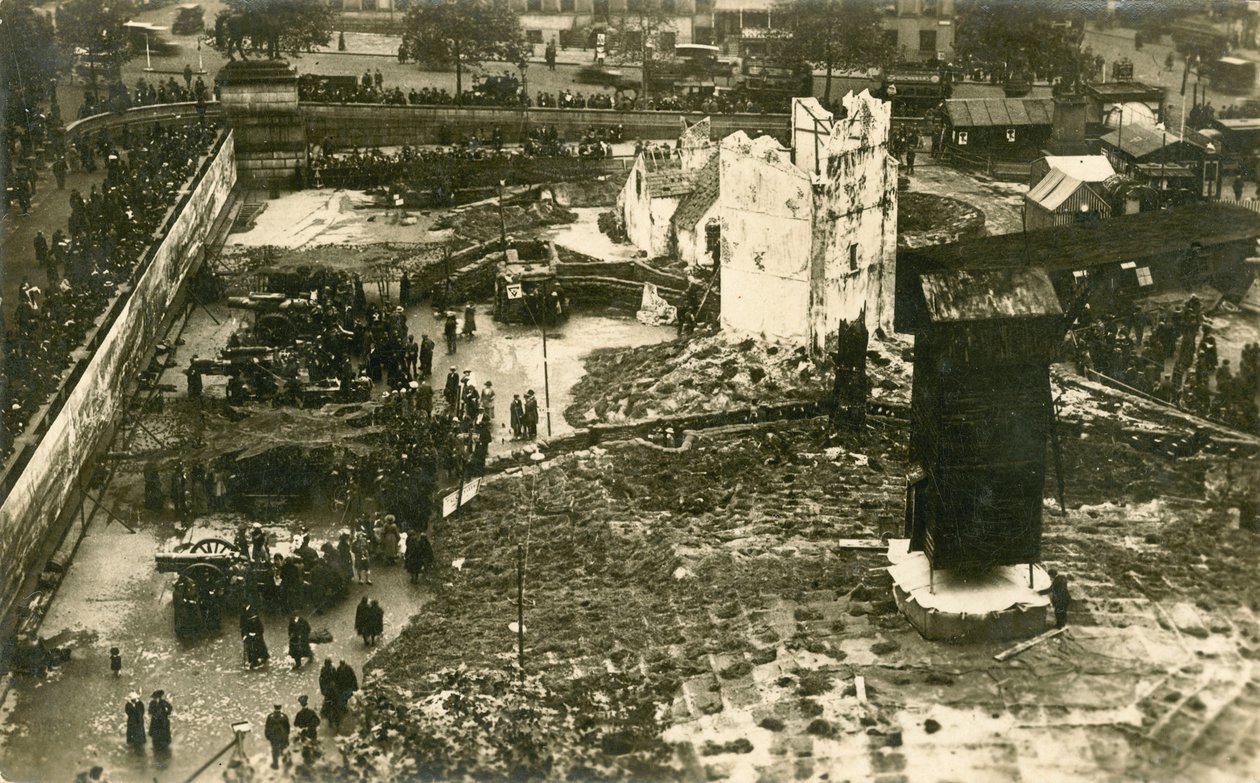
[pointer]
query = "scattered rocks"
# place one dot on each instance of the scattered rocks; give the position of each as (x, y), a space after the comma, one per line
(739, 745)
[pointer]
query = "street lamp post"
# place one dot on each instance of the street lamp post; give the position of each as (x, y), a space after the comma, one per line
(502, 221)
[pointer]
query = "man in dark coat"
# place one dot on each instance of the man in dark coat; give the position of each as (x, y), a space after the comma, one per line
(306, 721)
(1059, 597)
(531, 414)
(375, 622)
(276, 730)
(517, 412)
(426, 356)
(135, 722)
(300, 641)
(160, 721)
(419, 556)
(451, 392)
(347, 684)
(450, 330)
(328, 690)
(361, 620)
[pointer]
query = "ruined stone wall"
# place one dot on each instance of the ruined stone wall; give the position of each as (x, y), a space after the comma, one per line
(52, 476)
(853, 263)
(765, 212)
(646, 218)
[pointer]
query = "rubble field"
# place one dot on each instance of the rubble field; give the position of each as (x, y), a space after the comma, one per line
(713, 371)
(705, 598)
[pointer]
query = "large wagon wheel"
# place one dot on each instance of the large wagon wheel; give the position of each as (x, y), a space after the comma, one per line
(275, 328)
(214, 546)
(206, 576)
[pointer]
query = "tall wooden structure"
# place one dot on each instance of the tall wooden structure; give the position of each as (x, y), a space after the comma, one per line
(981, 413)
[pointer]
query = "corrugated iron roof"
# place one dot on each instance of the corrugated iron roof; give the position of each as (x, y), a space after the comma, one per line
(1138, 141)
(999, 112)
(1053, 189)
(1086, 168)
(704, 194)
(982, 295)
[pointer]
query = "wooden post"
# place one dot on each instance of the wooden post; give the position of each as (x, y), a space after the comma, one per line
(520, 608)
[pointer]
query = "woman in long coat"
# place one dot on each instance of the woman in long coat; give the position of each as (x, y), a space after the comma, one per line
(363, 619)
(160, 721)
(135, 721)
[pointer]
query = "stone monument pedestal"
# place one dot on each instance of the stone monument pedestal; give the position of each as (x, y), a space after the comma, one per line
(944, 606)
(260, 102)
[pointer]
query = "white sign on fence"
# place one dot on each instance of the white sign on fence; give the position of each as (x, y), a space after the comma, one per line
(453, 501)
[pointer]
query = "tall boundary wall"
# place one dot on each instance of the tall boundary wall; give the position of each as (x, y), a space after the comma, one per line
(52, 476)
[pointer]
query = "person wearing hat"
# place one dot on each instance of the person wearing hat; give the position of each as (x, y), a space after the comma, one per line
(306, 721)
(517, 412)
(487, 402)
(413, 355)
(470, 321)
(160, 721)
(450, 330)
(426, 356)
(451, 392)
(276, 730)
(258, 543)
(135, 721)
(531, 414)
(424, 396)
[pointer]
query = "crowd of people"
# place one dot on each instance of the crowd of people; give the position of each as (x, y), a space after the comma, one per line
(1174, 357)
(107, 234)
(113, 96)
(507, 91)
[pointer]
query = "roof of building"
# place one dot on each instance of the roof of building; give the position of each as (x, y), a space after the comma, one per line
(668, 180)
(1116, 91)
(1054, 189)
(1239, 123)
(1086, 168)
(988, 294)
(1138, 141)
(1080, 246)
(704, 194)
(999, 112)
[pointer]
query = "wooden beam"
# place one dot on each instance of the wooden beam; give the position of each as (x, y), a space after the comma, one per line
(862, 544)
(1024, 645)
(859, 685)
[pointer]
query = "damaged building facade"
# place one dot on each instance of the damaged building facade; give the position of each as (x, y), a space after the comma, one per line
(804, 238)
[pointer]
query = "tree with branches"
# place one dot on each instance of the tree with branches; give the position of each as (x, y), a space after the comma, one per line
(643, 36)
(97, 28)
(273, 28)
(1013, 36)
(462, 34)
(832, 34)
(29, 59)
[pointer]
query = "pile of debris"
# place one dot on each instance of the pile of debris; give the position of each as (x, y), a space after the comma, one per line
(925, 219)
(706, 373)
(481, 223)
(717, 371)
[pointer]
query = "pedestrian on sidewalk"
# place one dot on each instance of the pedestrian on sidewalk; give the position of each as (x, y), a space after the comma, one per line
(300, 641)
(160, 721)
(517, 413)
(375, 622)
(531, 414)
(362, 558)
(470, 321)
(450, 330)
(115, 661)
(306, 721)
(276, 730)
(361, 622)
(135, 722)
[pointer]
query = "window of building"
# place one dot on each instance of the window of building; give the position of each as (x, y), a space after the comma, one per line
(636, 6)
(533, 5)
(669, 6)
(533, 36)
(853, 258)
(600, 8)
(928, 8)
(1144, 276)
(632, 40)
(668, 40)
(927, 41)
(567, 5)
(713, 241)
